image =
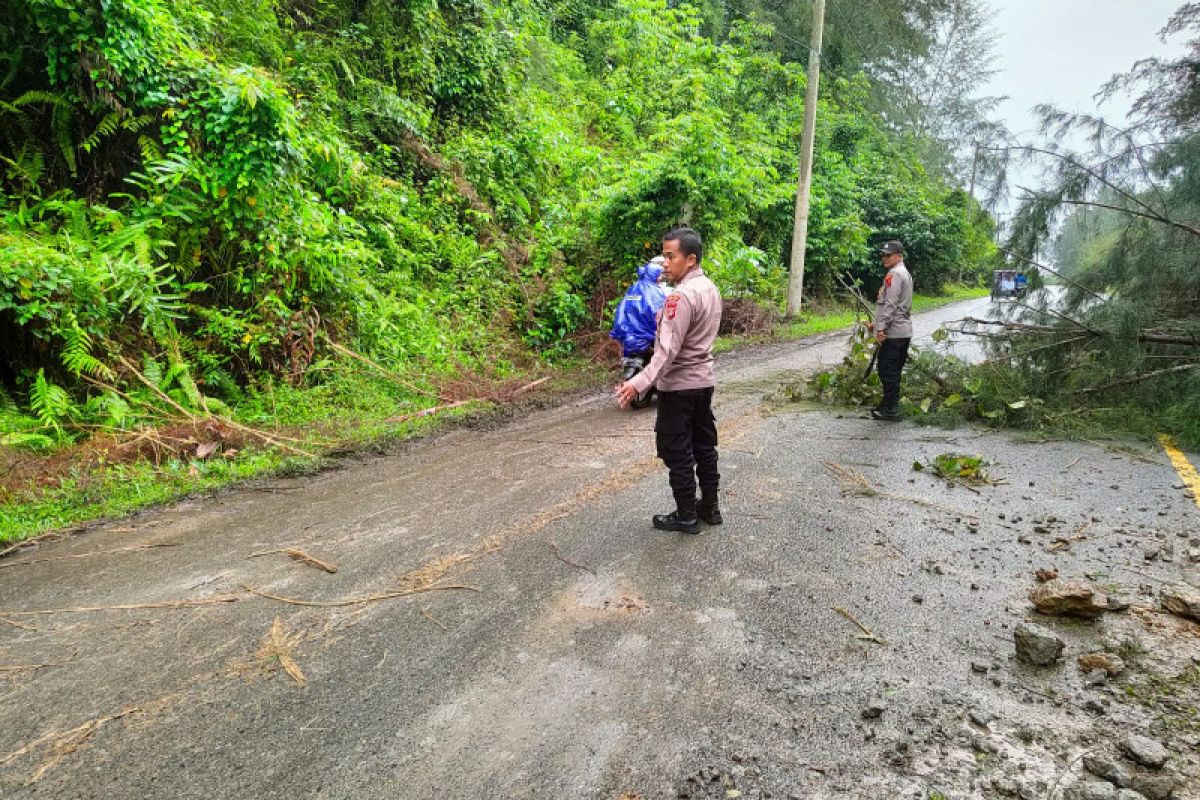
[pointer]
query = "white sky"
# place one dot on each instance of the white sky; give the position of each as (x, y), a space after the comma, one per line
(1062, 51)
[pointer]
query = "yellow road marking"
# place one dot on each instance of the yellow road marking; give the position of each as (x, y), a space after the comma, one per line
(1187, 473)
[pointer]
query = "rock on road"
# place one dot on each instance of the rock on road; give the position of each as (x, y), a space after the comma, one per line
(585, 654)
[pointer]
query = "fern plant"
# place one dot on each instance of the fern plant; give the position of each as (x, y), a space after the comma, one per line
(50, 403)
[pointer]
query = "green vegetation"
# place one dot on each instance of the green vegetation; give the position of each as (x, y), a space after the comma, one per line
(212, 205)
(1115, 350)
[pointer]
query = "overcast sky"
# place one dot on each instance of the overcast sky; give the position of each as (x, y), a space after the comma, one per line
(1062, 51)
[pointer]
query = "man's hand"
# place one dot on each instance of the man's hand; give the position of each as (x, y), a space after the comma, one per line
(880, 337)
(626, 394)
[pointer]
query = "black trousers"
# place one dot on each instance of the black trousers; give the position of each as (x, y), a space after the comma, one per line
(893, 354)
(686, 435)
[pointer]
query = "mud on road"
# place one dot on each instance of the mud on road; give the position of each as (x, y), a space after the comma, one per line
(503, 622)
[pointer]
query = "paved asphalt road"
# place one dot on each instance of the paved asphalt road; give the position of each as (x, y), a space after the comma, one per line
(548, 643)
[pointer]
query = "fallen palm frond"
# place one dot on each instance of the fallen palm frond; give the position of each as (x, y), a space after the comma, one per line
(850, 481)
(61, 745)
(354, 601)
(280, 646)
(301, 556)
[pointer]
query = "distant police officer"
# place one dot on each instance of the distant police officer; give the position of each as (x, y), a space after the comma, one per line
(892, 328)
(682, 369)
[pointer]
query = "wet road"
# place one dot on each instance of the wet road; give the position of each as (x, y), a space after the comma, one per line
(504, 623)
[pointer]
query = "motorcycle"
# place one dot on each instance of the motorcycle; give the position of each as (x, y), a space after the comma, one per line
(636, 322)
(631, 365)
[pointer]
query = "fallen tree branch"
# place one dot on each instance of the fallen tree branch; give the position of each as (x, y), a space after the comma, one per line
(276, 440)
(33, 540)
(1137, 378)
(428, 412)
(346, 351)
(1151, 337)
(1055, 273)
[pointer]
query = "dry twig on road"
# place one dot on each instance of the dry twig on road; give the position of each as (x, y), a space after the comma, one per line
(7, 564)
(354, 601)
(202, 601)
(866, 634)
(567, 561)
(301, 556)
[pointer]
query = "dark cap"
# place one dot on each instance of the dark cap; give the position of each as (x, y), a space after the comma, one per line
(891, 248)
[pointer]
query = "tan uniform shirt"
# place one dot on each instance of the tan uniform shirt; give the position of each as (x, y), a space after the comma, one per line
(687, 326)
(893, 308)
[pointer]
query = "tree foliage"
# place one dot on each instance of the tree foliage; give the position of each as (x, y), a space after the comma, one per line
(225, 188)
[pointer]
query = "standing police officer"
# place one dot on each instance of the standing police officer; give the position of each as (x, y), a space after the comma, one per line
(893, 328)
(682, 369)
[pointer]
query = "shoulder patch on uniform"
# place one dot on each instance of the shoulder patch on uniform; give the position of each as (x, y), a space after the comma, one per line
(888, 281)
(672, 304)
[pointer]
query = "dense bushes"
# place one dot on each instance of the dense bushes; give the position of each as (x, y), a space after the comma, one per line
(221, 188)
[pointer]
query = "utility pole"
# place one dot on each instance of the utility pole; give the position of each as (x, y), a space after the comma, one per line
(800, 232)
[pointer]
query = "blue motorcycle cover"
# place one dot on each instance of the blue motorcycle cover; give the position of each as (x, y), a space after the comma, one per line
(637, 315)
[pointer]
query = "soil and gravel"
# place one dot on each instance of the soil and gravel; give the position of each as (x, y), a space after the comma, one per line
(503, 622)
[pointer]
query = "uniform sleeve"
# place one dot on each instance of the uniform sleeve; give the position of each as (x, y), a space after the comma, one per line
(889, 302)
(673, 323)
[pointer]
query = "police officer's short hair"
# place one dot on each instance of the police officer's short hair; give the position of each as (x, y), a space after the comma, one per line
(690, 243)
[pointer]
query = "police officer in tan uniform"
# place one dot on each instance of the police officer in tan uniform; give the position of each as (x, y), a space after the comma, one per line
(892, 327)
(682, 369)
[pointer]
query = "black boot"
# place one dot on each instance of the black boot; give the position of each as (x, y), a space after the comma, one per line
(682, 519)
(708, 509)
(886, 414)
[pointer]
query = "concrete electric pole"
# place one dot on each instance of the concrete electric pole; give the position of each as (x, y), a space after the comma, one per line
(800, 233)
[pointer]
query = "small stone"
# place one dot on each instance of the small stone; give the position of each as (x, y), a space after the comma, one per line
(1036, 645)
(1129, 794)
(1108, 768)
(1111, 664)
(1118, 604)
(1145, 751)
(1070, 598)
(918, 599)
(1005, 786)
(1182, 601)
(980, 718)
(1154, 787)
(873, 711)
(1151, 553)
(1044, 575)
(980, 668)
(1094, 678)
(1091, 790)
(1095, 706)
